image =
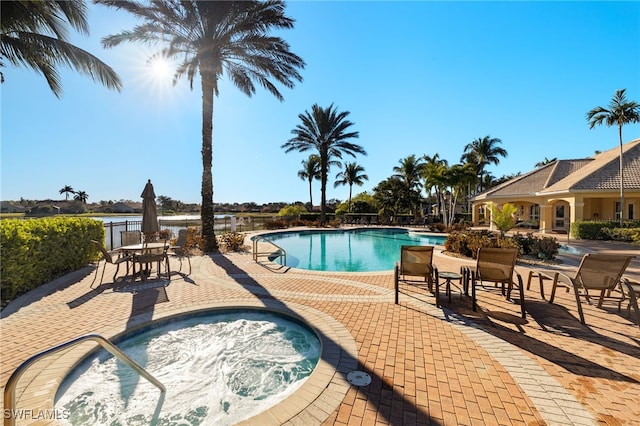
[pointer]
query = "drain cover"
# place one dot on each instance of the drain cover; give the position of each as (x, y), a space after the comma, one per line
(359, 378)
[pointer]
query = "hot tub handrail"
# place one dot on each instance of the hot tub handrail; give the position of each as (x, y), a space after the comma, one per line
(280, 252)
(10, 388)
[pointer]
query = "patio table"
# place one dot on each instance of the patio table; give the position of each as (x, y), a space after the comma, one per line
(139, 249)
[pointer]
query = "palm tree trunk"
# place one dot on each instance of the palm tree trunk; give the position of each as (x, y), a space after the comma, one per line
(207, 210)
(310, 196)
(323, 190)
(350, 188)
(621, 179)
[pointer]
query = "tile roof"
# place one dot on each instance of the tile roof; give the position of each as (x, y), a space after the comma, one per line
(599, 173)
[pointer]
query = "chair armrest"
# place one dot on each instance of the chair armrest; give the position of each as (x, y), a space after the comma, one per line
(564, 279)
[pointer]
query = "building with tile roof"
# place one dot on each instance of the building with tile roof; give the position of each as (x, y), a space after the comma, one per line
(553, 196)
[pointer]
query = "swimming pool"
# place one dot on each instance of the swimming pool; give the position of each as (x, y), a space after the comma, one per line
(218, 368)
(355, 250)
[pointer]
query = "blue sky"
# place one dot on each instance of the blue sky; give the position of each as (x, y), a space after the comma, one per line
(417, 78)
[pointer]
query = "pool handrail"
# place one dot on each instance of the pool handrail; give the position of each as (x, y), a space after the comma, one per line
(279, 253)
(10, 388)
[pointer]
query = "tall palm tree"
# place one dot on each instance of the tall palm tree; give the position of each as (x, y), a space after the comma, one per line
(620, 112)
(481, 152)
(211, 38)
(81, 196)
(433, 174)
(34, 34)
(310, 172)
(327, 131)
(66, 190)
(353, 174)
(410, 172)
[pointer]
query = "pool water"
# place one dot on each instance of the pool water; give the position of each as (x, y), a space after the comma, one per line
(566, 249)
(357, 250)
(219, 369)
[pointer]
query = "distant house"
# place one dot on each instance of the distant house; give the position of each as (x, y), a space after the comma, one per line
(564, 191)
(10, 207)
(126, 208)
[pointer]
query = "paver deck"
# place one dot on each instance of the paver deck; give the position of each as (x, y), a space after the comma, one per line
(429, 365)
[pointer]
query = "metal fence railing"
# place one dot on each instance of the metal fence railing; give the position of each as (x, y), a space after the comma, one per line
(226, 224)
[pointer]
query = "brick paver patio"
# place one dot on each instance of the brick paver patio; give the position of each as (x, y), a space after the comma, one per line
(441, 366)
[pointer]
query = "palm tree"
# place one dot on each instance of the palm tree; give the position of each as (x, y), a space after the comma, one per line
(545, 162)
(33, 34)
(351, 175)
(481, 152)
(326, 131)
(211, 38)
(433, 172)
(68, 190)
(620, 112)
(456, 179)
(409, 172)
(81, 196)
(310, 171)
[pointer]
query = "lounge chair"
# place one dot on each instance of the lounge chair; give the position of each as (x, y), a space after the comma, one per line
(148, 256)
(180, 250)
(633, 291)
(497, 265)
(109, 258)
(415, 261)
(599, 272)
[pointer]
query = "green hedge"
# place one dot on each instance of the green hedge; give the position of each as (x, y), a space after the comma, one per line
(606, 230)
(35, 251)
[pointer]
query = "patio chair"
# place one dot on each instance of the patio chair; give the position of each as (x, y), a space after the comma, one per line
(129, 238)
(415, 261)
(108, 258)
(633, 291)
(599, 272)
(147, 256)
(497, 265)
(180, 250)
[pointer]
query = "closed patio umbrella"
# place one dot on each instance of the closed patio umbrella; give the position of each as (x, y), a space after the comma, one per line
(149, 212)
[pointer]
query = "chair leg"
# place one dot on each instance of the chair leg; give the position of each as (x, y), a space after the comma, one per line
(577, 293)
(116, 273)
(633, 301)
(521, 286)
(395, 280)
(554, 286)
(437, 288)
(474, 305)
(97, 273)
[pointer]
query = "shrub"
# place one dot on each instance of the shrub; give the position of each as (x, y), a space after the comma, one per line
(194, 238)
(276, 224)
(503, 217)
(605, 230)
(525, 242)
(546, 248)
(231, 241)
(35, 251)
(468, 243)
(622, 234)
(292, 211)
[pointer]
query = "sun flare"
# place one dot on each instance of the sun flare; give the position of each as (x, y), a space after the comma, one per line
(160, 70)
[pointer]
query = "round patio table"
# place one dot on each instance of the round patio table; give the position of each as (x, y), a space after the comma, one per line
(449, 277)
